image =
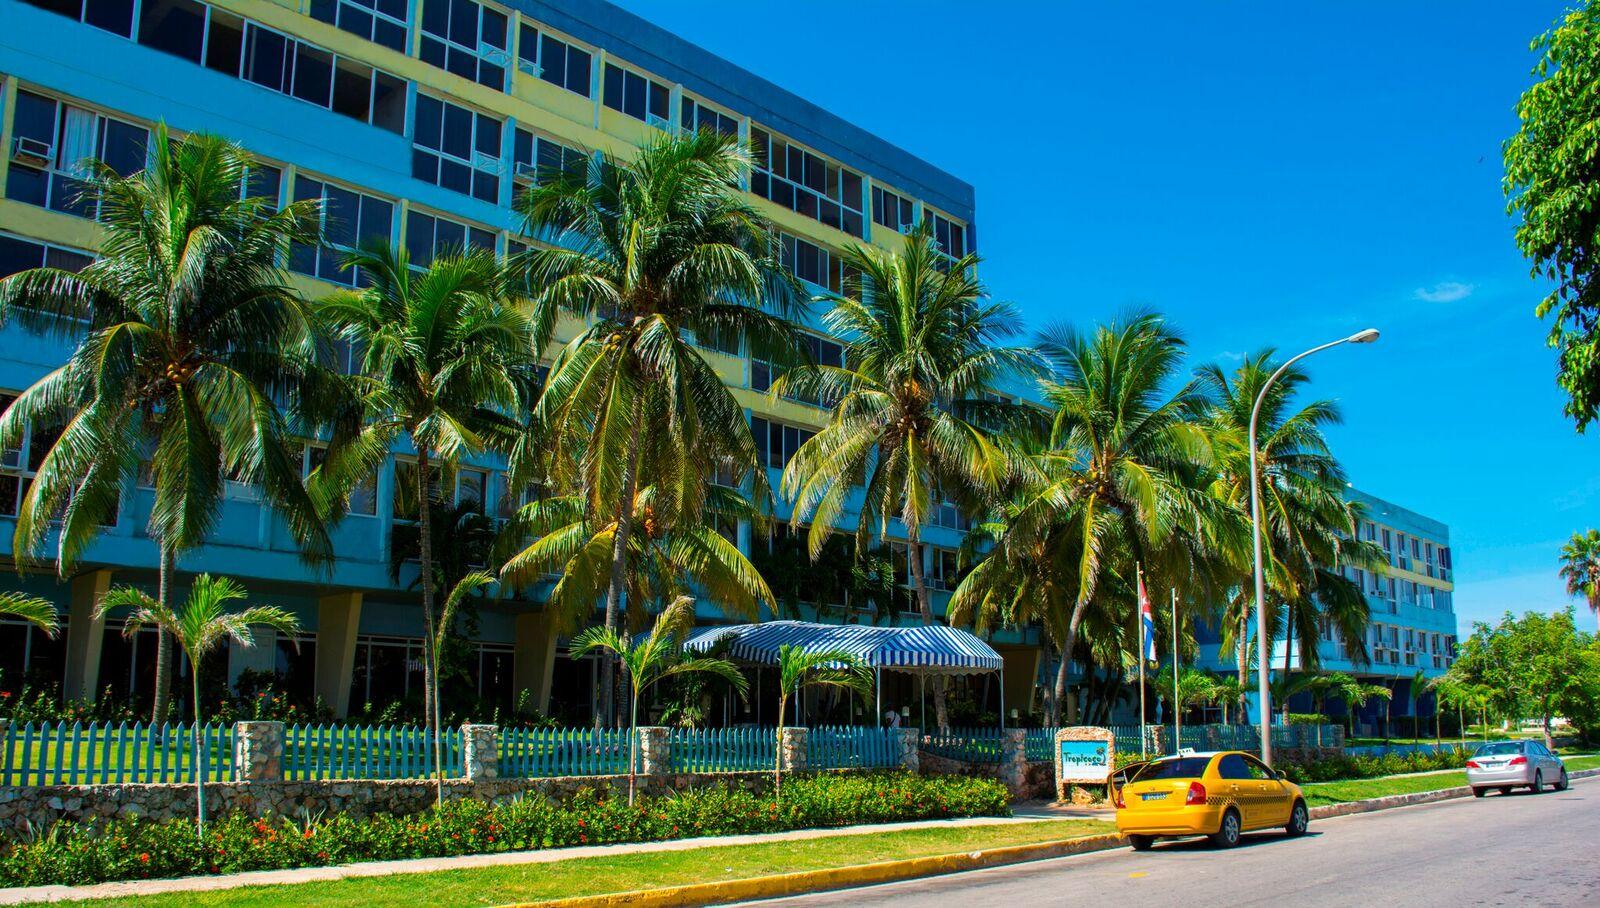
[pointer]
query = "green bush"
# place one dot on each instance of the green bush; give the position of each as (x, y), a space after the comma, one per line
(1352, 766)
(78, 854)
(1308, 719)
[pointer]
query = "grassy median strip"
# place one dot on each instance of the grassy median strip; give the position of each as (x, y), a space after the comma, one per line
(1320, 793)
(626, 872)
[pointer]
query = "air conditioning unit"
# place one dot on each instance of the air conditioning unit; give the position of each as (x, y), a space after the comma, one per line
(530, 67)
(526, 172)
(484, 161)
(906, 229)
(494, 54)
(658, 122)
(32, 152)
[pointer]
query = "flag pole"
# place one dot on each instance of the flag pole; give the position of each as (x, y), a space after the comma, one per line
(1177, 706)
(1144, 736)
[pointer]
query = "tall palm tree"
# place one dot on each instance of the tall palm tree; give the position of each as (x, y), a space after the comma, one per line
(1354, 694)
(656, 250)
(41, 613)
(188, 337)
(799, 669)
(1228, 693)
(1580, 567)
(656, 657)
(444, 365)
(199, 625)
(910, 422)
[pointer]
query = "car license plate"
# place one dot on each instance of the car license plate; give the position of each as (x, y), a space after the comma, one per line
(1153, 795)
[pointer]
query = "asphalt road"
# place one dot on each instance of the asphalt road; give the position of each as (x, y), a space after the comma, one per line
(1516, 849)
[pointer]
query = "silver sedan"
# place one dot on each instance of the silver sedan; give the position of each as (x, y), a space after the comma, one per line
(1515, 764)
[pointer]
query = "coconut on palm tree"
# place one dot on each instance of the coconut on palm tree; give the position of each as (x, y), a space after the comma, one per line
(654, 253)
(1580, 567)
(913, 412)
(189, 341)
(443, 368)
(657, 656)
(799, 669)
(199, 625)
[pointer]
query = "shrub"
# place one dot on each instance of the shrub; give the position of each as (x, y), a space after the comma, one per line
(1362, 766)
(78, 854)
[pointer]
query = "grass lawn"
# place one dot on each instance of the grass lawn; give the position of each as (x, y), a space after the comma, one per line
(1319, 793)
(621, 873)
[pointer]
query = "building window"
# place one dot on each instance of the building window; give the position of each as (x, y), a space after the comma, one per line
(472, 488)
(823, 352)
(51, 143)
(778, 440)
(115, 16)
(466, 38)
(950, 517)
(349, 218)
(950, 236)
(945, 571)
(457, 149)
(637, 96)
(790, 176)
(536, 159)
(19, 464)
(429, 236)
(813, 263)
(697, 115)
(554, 60)
(893, 211)
(379, 21)
(363, 500)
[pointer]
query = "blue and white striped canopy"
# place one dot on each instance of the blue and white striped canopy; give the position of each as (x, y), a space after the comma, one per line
(933, 650)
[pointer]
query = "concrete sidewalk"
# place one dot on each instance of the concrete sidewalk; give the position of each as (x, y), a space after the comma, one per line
(1025, 813)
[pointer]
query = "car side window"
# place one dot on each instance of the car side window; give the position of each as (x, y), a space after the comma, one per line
(1258, 770)
(1233, 766)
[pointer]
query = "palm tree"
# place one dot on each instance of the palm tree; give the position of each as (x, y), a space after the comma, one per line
(41, 613)
(188, 336)
(658, 656)
(1228, 693)
(1418, 682)
(910, 423)
(656, 251)
(799, 669)
(1580, 567)
(444, 366)
(199, 625)
(1354, 694)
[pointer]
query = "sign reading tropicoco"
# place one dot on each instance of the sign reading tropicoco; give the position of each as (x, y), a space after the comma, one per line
(1085, 756)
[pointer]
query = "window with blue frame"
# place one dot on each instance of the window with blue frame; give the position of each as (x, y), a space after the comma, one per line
(694, 116)
(379, 21)
(554, 60)
(51, 143)
(538, 159)
(466, 38)
(777, 441)
(800, 181)
(815, 264)
(893, 210)
(823, 352)
(429, 235)
(349, 218)
(115, 16)
(457, 149)
(638, 96)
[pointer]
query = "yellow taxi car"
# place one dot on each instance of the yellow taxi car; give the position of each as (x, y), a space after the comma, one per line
(1221, 795)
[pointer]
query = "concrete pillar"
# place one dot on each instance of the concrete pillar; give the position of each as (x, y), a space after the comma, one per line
(480, 752)
(1014, 760)
(1022, 673)
(910, 744)
(338, 620)
(534, 660)
(85, 632)
(655, 751)
(792, 749)
(258, 751)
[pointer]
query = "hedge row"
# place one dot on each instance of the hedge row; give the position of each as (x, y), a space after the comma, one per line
(1335, 769)
(78, 854)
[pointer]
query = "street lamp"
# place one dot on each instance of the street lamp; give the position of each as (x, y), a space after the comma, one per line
(1262, 656)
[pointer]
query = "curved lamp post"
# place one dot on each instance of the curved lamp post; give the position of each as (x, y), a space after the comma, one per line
(1262, 656)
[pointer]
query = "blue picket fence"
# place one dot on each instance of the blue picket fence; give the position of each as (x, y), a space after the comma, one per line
(853, 747)
(101, 753)
(722, 749)
(969, 745)
(366, 752)
(545, 752)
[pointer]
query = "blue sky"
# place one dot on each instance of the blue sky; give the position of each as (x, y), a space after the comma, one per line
(1265, 174)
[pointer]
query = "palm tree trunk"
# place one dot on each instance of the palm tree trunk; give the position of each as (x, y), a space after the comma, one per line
(1060, 692)
(925, 605)
(158, 710)
(199, 771)
(604, 703)
(1288, 653)
(777, 760)
(633, 744)
(430, 652)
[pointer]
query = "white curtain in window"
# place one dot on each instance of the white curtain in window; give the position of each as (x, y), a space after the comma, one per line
(78, 134)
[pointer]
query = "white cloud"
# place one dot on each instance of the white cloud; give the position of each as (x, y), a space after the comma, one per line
(1444, 292)
(1232, 357)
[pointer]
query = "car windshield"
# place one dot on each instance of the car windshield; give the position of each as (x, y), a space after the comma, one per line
(1499, 749)
(1179, 768)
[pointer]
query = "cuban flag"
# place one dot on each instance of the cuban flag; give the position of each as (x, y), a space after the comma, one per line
(1147, 624)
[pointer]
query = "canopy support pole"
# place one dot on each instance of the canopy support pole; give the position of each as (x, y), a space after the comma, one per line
(1002, 698)
(877, 690)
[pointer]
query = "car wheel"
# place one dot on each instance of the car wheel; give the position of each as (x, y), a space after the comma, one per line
(1538, 781)
(1299, 819)
(1227, 835)
(1479, 792)
(1562, 783)
(1505, 789)
(1141, 842)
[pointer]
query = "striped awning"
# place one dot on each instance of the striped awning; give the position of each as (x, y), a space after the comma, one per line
(933, 650)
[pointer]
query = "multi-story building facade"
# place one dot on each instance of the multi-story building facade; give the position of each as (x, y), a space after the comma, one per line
(417, 121)
(1412, 625)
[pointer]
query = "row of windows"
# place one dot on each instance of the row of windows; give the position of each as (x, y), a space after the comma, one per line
(640, 97)
(823, 352)
(466, 38)
(554, 60)
(457, 149)
(379, 21)
(788, 175)
(52, 140)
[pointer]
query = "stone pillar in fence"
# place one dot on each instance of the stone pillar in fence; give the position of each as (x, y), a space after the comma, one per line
(1014, 760)
(1214, 737)
(792, 747)
(910, 744)
(1155, 738)
(655, 751)
(480, 752)
(258, 751)
(1338, 736)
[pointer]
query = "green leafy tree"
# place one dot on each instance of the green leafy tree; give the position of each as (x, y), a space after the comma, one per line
(656, 657)
(654, 252)
(41, 613)
(1354, 694)
(799, 669)
(1228, 693)
(202, 623)
(910, 421)
(1528, 664)
(444, 359)
(1580, 568)
(188, 334)
(1552, 183)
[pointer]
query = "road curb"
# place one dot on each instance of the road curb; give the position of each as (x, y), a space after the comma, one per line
(808, 881)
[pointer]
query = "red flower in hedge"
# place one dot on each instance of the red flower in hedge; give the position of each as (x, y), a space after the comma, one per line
(144, 857)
